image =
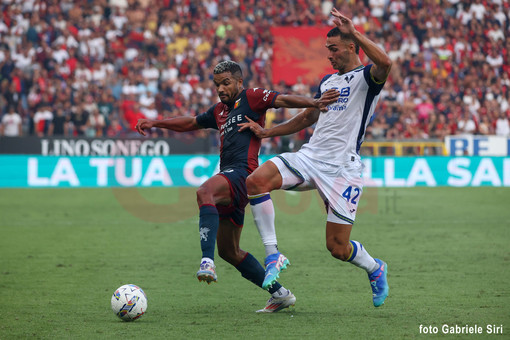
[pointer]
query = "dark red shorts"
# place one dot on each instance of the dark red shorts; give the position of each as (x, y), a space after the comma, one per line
(235, 210)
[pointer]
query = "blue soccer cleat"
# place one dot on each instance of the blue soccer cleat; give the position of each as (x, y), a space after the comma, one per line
(275, 263)
(379, 283)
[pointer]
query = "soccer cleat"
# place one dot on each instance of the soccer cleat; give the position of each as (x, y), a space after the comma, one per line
(275, 304)
(379, 283)
(207, 272)
(274, 264)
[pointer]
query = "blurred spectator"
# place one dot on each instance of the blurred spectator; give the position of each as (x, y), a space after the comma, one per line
(95, 124)
(502, 126)
(60, 123)
(79, 120)
(42, 119)
(378, 128)
(11, 123)
(114, 129)
(485, 126)
(61, 61)
(466, 125)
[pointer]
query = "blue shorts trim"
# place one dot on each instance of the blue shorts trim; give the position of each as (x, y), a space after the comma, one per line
(342, 217)
(294, 171)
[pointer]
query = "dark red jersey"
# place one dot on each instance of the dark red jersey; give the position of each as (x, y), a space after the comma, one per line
(239, 149)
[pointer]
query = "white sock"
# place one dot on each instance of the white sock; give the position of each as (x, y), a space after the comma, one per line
(282, 292)
(361, 258)
(263, 214)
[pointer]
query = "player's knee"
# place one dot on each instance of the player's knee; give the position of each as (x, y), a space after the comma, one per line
(204, 196)
(339, 251)
(256, 184)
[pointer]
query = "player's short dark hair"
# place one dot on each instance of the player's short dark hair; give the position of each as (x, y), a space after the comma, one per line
(335, 32)
(229, 66)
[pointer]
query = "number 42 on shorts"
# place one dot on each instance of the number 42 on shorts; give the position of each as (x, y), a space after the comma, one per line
(349, 192)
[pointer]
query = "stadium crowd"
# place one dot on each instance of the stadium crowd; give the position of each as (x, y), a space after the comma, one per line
(93, 67)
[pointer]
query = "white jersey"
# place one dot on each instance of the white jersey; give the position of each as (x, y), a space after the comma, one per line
(340, 131)
(11, 123)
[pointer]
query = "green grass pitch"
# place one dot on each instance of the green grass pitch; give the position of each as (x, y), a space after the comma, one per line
(64, 251)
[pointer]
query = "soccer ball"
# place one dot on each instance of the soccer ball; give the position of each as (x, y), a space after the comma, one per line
(129, 302)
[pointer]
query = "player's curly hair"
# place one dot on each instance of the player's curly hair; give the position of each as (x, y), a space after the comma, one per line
(335, 32)
(229, 66)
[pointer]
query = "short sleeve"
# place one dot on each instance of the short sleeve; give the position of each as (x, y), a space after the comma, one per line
(207, 120)
(261, 99)
(372, 84)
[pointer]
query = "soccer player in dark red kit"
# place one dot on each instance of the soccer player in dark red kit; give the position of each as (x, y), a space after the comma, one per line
(223, 197)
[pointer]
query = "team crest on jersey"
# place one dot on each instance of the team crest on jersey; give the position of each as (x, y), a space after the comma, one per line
(238, 102)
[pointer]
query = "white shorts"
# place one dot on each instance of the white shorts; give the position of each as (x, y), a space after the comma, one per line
(339, 186)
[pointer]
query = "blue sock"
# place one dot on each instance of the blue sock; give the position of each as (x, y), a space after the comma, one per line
(208, 228)
(252, 270)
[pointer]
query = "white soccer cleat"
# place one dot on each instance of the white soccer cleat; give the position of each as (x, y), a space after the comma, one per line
(275, 304)
(207, 272)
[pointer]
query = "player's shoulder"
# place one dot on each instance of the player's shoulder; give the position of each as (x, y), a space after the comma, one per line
(254, 91)
(256, 94)
(326, 77)
(215, 109)
(218, 107)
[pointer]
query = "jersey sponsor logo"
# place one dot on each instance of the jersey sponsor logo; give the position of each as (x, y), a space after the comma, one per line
(349, 78)
(337, 108)
(340, 104)
(238, 102)
(345, 91)
(230, 123)
(228, 170)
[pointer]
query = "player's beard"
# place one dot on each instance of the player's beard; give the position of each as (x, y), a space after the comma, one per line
(227, 99)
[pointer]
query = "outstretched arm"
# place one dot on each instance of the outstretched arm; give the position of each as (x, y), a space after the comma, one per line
(300, 121)
(179, 124)
(382, 63)
(289, 100)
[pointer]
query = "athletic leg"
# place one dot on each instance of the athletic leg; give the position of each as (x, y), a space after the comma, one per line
(259, 184)
(341, 247)
(229, 235)
(215, 190)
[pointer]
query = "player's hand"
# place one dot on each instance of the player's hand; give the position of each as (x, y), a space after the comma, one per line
(257, 130)
(143, 124)
(328, 97)
(343, 23)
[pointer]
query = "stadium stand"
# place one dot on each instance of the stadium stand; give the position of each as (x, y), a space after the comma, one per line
(93, 67)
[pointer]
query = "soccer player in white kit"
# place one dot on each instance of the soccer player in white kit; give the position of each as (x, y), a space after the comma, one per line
(330, 161)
